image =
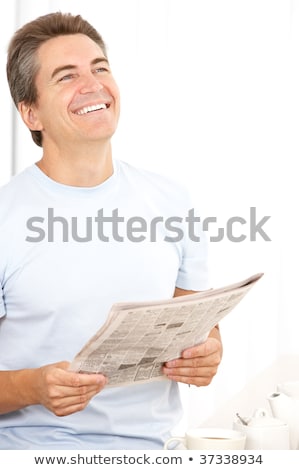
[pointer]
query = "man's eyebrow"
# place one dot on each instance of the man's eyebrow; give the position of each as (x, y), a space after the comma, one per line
(68, 67)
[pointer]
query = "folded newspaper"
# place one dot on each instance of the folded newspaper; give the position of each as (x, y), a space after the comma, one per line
(139, 337)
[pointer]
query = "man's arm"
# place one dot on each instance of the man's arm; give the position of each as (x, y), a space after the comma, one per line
(53, 386)
(199, 364)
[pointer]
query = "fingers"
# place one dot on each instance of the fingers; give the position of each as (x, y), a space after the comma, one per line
(198, 365)
(62, 404)
(64, 392)
(202, 380)
(210, 346)
(204, 355)
(56, 375)
(200, 376)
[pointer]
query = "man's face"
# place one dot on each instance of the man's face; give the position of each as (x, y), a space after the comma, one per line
(78, 99)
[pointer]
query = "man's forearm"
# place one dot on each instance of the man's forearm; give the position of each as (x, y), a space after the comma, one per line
(16, 389)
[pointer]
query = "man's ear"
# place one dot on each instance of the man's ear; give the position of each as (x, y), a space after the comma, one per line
(29, 117)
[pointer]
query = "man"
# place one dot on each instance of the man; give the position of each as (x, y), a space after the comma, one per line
(59, 275)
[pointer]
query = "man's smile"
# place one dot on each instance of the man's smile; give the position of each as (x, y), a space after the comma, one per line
(89, 109)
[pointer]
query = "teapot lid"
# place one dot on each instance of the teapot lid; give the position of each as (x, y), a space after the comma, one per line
(261, 418)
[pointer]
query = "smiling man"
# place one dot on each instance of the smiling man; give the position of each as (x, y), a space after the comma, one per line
(79, 90)
(55, 294)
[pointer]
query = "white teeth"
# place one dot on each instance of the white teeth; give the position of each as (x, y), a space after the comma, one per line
(89, 109)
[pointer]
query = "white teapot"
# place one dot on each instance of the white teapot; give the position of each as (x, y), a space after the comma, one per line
(263, 431)
(284, 405)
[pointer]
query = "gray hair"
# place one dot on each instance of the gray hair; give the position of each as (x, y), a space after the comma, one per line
(22, 65)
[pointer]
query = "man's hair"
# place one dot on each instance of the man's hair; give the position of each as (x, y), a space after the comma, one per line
(22, 64)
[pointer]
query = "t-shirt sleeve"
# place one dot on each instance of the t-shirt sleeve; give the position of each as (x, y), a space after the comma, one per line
(2, 304)
(193, 272)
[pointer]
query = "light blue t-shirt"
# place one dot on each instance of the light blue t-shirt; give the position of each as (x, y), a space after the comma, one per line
(66, 255)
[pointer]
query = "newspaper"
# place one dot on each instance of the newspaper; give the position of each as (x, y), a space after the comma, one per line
(138, 338)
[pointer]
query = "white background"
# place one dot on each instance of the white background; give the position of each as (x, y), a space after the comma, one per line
(210, 97)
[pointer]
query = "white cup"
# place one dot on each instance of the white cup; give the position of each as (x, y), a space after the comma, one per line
(209, 438)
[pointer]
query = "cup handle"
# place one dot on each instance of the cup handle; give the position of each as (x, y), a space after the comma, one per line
(174, 439)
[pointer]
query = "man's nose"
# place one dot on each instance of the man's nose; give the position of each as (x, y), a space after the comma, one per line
(90, 83)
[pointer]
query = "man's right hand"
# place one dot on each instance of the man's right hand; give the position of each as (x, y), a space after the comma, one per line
(61, 391)
(64, 392)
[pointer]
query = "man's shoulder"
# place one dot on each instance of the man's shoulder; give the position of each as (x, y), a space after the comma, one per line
(16, 182)
(149, 179)
(14, 192)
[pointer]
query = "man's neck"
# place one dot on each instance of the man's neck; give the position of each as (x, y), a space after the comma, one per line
(78, 169)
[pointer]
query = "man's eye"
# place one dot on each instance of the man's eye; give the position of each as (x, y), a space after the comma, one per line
(66, 77)
(101, 70)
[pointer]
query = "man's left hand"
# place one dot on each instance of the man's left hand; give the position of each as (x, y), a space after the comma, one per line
(197, 365)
